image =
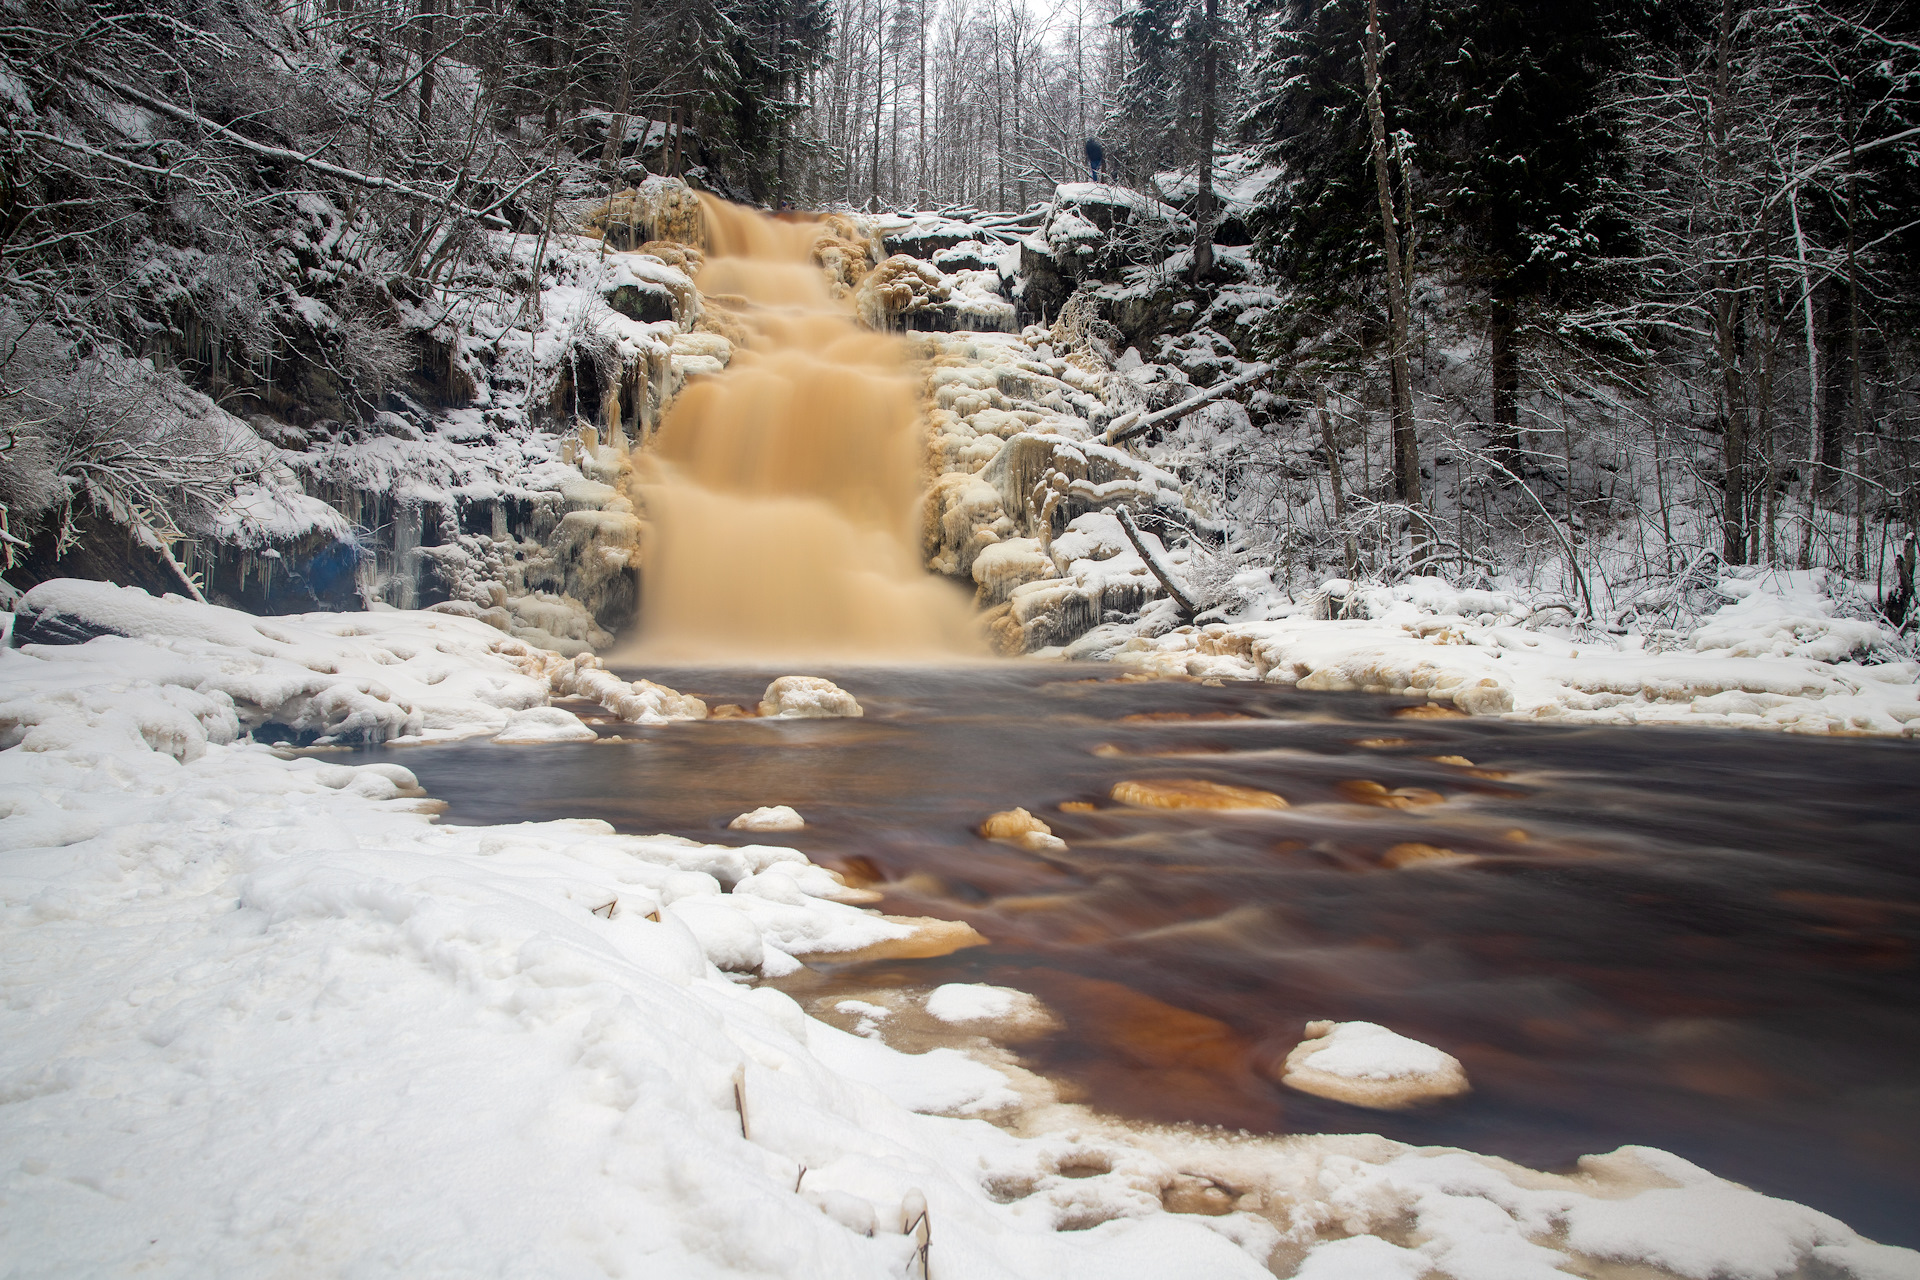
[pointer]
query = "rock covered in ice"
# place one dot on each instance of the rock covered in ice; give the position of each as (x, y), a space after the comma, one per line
(807, 698)
(1017, 826)
(1365, 1064)
(773, 817)
(637, 702)
(545, 724)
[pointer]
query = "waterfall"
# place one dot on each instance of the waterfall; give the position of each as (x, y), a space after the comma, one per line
(783, 493)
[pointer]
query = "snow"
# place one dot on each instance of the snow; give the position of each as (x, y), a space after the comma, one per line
(324, 678)
(1779, 656)
(1368, 1051)
(261, 1013)
(971, 1002)
(545, 724)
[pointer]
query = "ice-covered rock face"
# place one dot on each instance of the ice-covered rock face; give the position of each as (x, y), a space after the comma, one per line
(807, 698)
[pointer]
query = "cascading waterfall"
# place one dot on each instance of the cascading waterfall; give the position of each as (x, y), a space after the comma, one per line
(782, 493)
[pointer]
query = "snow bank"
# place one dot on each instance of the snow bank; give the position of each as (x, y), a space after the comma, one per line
(1781, 656)
(262, 1013)
(323, 677)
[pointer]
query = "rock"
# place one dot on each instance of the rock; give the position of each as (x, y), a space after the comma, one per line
(1487, 698)
(929, 937)
(1411, 854)
(1366, 1065)
(1192, 793)
(1018, 827)
(1434, 711)
(776, 817)
(807, 698)
(545, 724)
(1362, 791)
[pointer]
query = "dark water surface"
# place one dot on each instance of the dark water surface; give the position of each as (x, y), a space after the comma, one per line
(1698, 940)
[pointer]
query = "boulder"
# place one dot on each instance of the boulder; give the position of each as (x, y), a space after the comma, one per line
(778, 817)
(1018, 827)
(1366, 1065)
(807, 698)
(545, 724)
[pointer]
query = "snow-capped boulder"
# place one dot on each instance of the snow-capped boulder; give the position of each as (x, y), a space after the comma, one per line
(776, 817)
(545, 724)
(1366, 1065)
(807, 698)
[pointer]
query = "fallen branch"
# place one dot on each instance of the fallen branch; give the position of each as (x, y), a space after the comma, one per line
(1153, 562)
(1130, 426)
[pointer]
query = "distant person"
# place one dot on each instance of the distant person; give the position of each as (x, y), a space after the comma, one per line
(1095, 157)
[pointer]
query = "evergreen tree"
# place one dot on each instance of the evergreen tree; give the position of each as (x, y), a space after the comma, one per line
(1528, 155)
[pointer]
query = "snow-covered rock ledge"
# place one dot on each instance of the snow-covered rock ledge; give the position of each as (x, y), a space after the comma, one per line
(1779, 655)
(261, 1013)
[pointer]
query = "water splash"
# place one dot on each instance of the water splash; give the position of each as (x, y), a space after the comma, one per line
(783, 493)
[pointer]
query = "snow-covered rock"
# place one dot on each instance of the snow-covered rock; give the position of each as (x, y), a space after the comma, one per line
(545, 724)
(807, 697)
(776, 817)
(1365, 1064)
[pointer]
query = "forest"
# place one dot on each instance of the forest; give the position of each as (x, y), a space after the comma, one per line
(1600, 295)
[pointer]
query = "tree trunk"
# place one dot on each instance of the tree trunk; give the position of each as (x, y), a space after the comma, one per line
(1504, 373)
(1726, 314)
(1203, 205)
(1406, 445)
(1338, 482)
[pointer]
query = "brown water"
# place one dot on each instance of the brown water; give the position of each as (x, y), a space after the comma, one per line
(783, 492)
(1705, 941)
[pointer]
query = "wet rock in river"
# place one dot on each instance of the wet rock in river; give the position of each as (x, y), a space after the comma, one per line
(1413, 854)
(1193, 793)
(1366, 1065)
(1363, 791)
(1018, 827)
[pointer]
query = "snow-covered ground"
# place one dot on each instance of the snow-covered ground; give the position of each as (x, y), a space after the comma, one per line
(1785, 652)
(262, 1016)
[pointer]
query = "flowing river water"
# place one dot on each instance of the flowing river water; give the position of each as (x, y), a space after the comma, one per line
(1698, 940)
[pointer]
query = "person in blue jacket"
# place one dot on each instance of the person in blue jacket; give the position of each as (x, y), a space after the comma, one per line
(1095, 157)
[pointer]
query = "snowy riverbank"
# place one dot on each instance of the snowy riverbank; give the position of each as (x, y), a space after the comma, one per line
(1791, 651)
(262, 1013)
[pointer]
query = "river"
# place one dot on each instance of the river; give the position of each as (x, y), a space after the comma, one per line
(1695, 940)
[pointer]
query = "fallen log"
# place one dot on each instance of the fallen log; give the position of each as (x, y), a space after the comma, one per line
(1154, 566)
(1131, 425)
